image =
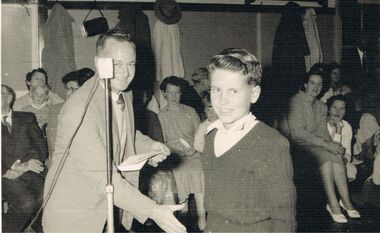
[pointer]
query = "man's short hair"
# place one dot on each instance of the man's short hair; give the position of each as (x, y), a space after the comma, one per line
(10, 92)
(114, 34)
(30, 74)
(238, 60)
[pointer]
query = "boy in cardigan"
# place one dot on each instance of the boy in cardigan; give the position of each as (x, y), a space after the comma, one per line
(247, 164)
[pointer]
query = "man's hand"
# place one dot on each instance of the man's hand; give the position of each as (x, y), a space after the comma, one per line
(164, 153)
(12, 174)
(163, 216)
(33, 165)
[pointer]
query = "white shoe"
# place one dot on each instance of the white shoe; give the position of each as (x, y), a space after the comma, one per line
(351, 213)
(339, 218)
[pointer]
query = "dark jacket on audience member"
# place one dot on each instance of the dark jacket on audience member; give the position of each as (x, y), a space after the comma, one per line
(25, 142)
(250, 187)
(23, 194)
(353, 71)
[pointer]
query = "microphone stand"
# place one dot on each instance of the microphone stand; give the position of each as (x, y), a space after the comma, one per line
(109, 186)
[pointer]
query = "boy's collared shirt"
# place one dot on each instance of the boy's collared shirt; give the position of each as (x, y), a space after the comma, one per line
(225, 139)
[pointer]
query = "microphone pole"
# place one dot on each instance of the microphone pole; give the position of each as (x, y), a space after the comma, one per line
(105, 69)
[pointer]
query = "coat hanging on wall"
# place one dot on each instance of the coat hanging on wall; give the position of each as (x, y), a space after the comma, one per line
(313, 41)
(167, 51)
(58, 56)
(289, 49)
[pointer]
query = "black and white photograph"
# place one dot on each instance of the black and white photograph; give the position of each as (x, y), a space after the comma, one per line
(134, 116)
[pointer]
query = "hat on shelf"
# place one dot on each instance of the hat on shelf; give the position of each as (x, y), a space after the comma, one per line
(167, 11)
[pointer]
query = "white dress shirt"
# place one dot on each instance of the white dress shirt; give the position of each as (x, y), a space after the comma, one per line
(8, 119)
(225, 139)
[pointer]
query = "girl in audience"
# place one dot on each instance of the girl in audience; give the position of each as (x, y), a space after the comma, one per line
(334, 77)
(309, 134)
(340, 130)
(179, 123)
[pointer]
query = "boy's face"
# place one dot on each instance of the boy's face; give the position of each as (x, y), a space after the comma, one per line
(231, 95)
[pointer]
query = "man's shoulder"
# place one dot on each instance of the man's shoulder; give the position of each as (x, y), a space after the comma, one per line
(78, 99)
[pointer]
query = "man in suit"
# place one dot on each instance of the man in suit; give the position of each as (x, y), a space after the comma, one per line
(355, 62)
(23, 153)
(78, 201)
(72, 81)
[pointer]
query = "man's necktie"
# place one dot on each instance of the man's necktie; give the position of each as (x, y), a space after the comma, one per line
(120, 102)
(6, 123)
(365, 62)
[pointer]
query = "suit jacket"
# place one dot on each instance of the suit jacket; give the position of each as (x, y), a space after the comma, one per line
(25, 142)
(78, 202)
(352, 69)
(51, 128)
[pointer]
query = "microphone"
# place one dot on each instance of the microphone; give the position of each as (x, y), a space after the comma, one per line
(105, 68)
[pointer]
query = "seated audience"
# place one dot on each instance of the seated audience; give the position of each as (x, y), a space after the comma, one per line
(23, 152)
(39, 104)
(247, 165)
(364, 148)
(179, 123)
(191, 98)
(334, 77)
(72, 81)
(370, 191)
(201, 81)
(199, 138)
(158, 183)
(313, 146)
(35, 78)
(341, 131)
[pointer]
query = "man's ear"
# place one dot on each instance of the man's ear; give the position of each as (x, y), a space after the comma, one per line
(255, 93)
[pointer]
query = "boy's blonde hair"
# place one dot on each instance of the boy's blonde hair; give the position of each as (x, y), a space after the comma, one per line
(238, 60)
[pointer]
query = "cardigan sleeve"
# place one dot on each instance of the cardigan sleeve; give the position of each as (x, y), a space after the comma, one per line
(297, 124)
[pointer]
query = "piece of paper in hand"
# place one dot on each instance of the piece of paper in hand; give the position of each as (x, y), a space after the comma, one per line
(184, 143)
(136, 162)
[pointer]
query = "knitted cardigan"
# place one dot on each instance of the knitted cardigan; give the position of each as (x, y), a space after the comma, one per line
(250, 187)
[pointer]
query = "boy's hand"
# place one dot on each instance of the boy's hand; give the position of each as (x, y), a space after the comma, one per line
(163, 216)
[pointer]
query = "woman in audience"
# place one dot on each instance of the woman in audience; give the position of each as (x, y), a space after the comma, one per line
(340, 130)
(36, 78)
(312, 142)
(39, 104)
(201, 81)
(334, 78)
(179, 124)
